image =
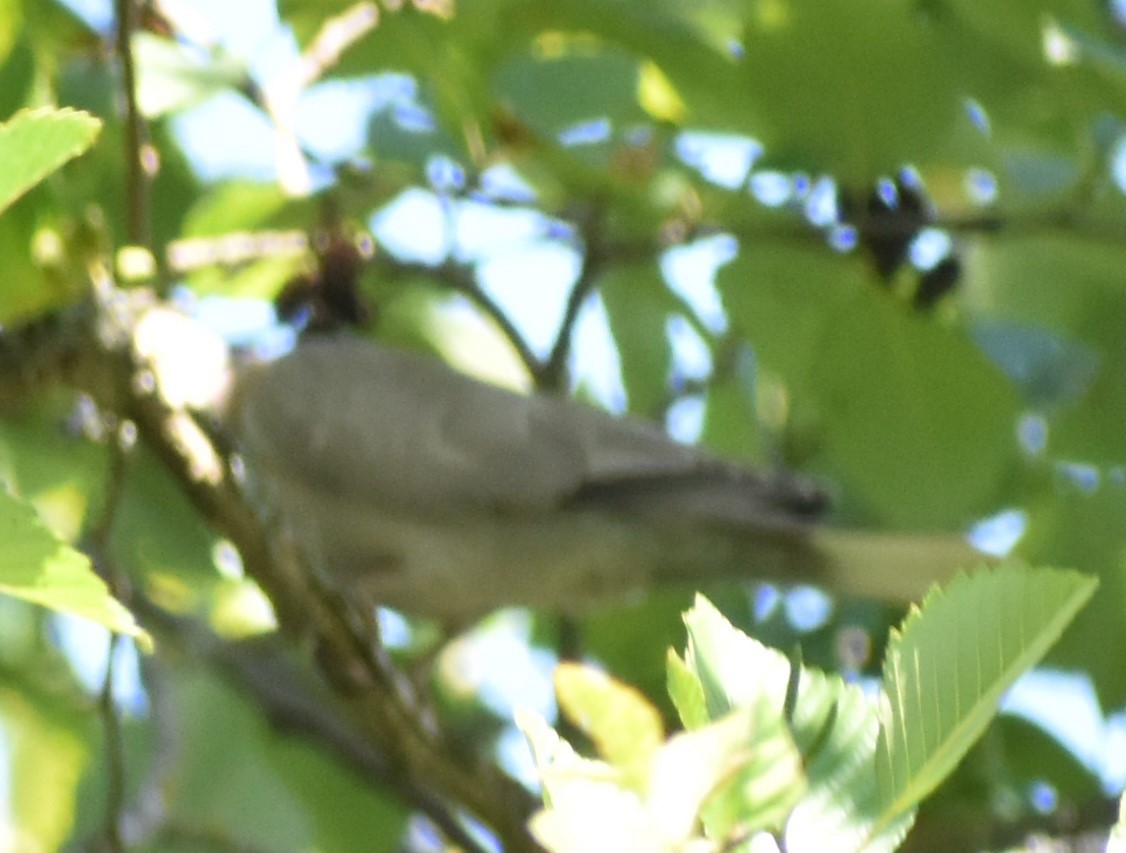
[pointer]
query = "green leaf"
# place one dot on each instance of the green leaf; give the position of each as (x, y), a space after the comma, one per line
(834, 726)
(739, 774)
(733, 669)
(686, 692)
(34, 143)
(638, 306)
(1070, 286)
(911, 419)
(837, 728)
(47, 746)
(622, 723)
(585, 808)
(551, 94)
(35, 566)
(171, 77)
(759, 769)
(238, 778)
(948, 666)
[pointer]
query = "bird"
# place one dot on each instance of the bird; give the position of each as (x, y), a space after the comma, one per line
(419, 488)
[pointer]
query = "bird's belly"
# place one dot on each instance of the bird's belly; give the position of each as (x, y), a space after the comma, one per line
(461, 566)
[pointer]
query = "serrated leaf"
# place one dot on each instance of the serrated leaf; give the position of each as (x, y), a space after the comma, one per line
(834, 726)
(733, 669)
(622, 723)
(35, 566)
(34, 143)
(761, 775)
(947, 668)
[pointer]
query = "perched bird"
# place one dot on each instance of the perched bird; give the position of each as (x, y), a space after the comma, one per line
(428, 491)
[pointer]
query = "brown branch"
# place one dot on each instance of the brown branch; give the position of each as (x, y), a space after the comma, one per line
(115, 753)
(97, 544)
(552, 376)
(136, 176)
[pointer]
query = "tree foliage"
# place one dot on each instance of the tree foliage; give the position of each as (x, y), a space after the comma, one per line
(877, 242)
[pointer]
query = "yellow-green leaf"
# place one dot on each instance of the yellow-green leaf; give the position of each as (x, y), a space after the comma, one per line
(34, 143)
(37, 567)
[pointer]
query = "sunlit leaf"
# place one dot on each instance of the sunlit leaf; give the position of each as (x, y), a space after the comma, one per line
(759, 768)
(834, 727)
(34, 143)
(686, 692)
(172, 77)
(47, 748)
(951, 661)
(623, 724)
(37, 567)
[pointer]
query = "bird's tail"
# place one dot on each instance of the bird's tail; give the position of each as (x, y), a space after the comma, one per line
(892, 566)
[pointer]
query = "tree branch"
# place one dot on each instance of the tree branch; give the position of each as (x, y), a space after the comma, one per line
(93, 351)
(136, 175)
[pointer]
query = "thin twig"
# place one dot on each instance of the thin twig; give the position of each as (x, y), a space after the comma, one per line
(115, 752)
(459, 278)
(553, 375)
(136, 176)
(147, 813)
(97, 543)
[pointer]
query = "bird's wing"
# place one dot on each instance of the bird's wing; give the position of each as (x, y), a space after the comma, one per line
(398, 428)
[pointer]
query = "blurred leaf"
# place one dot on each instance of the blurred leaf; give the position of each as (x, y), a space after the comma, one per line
(686, 692)
(47, 746)
(1048, 369)
(759, 766)
(834, 727)
(1081, 526)
(951, 661)
(915, 422)
(37, 567)
(731, 424)
(621, 722)
(1012, 757)
(1071, 287)
(901, 95)
(638, 306)
(171, 77)
(234, 207)
(260, 279)
(630, 639)
(739, 774)
(575, 84)
(34, 143)
(17, 73)
(393, 139)
(584, 807)
(162, 540)
(242, 781)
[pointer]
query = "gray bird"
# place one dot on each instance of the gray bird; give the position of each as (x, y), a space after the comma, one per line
(442, 496)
